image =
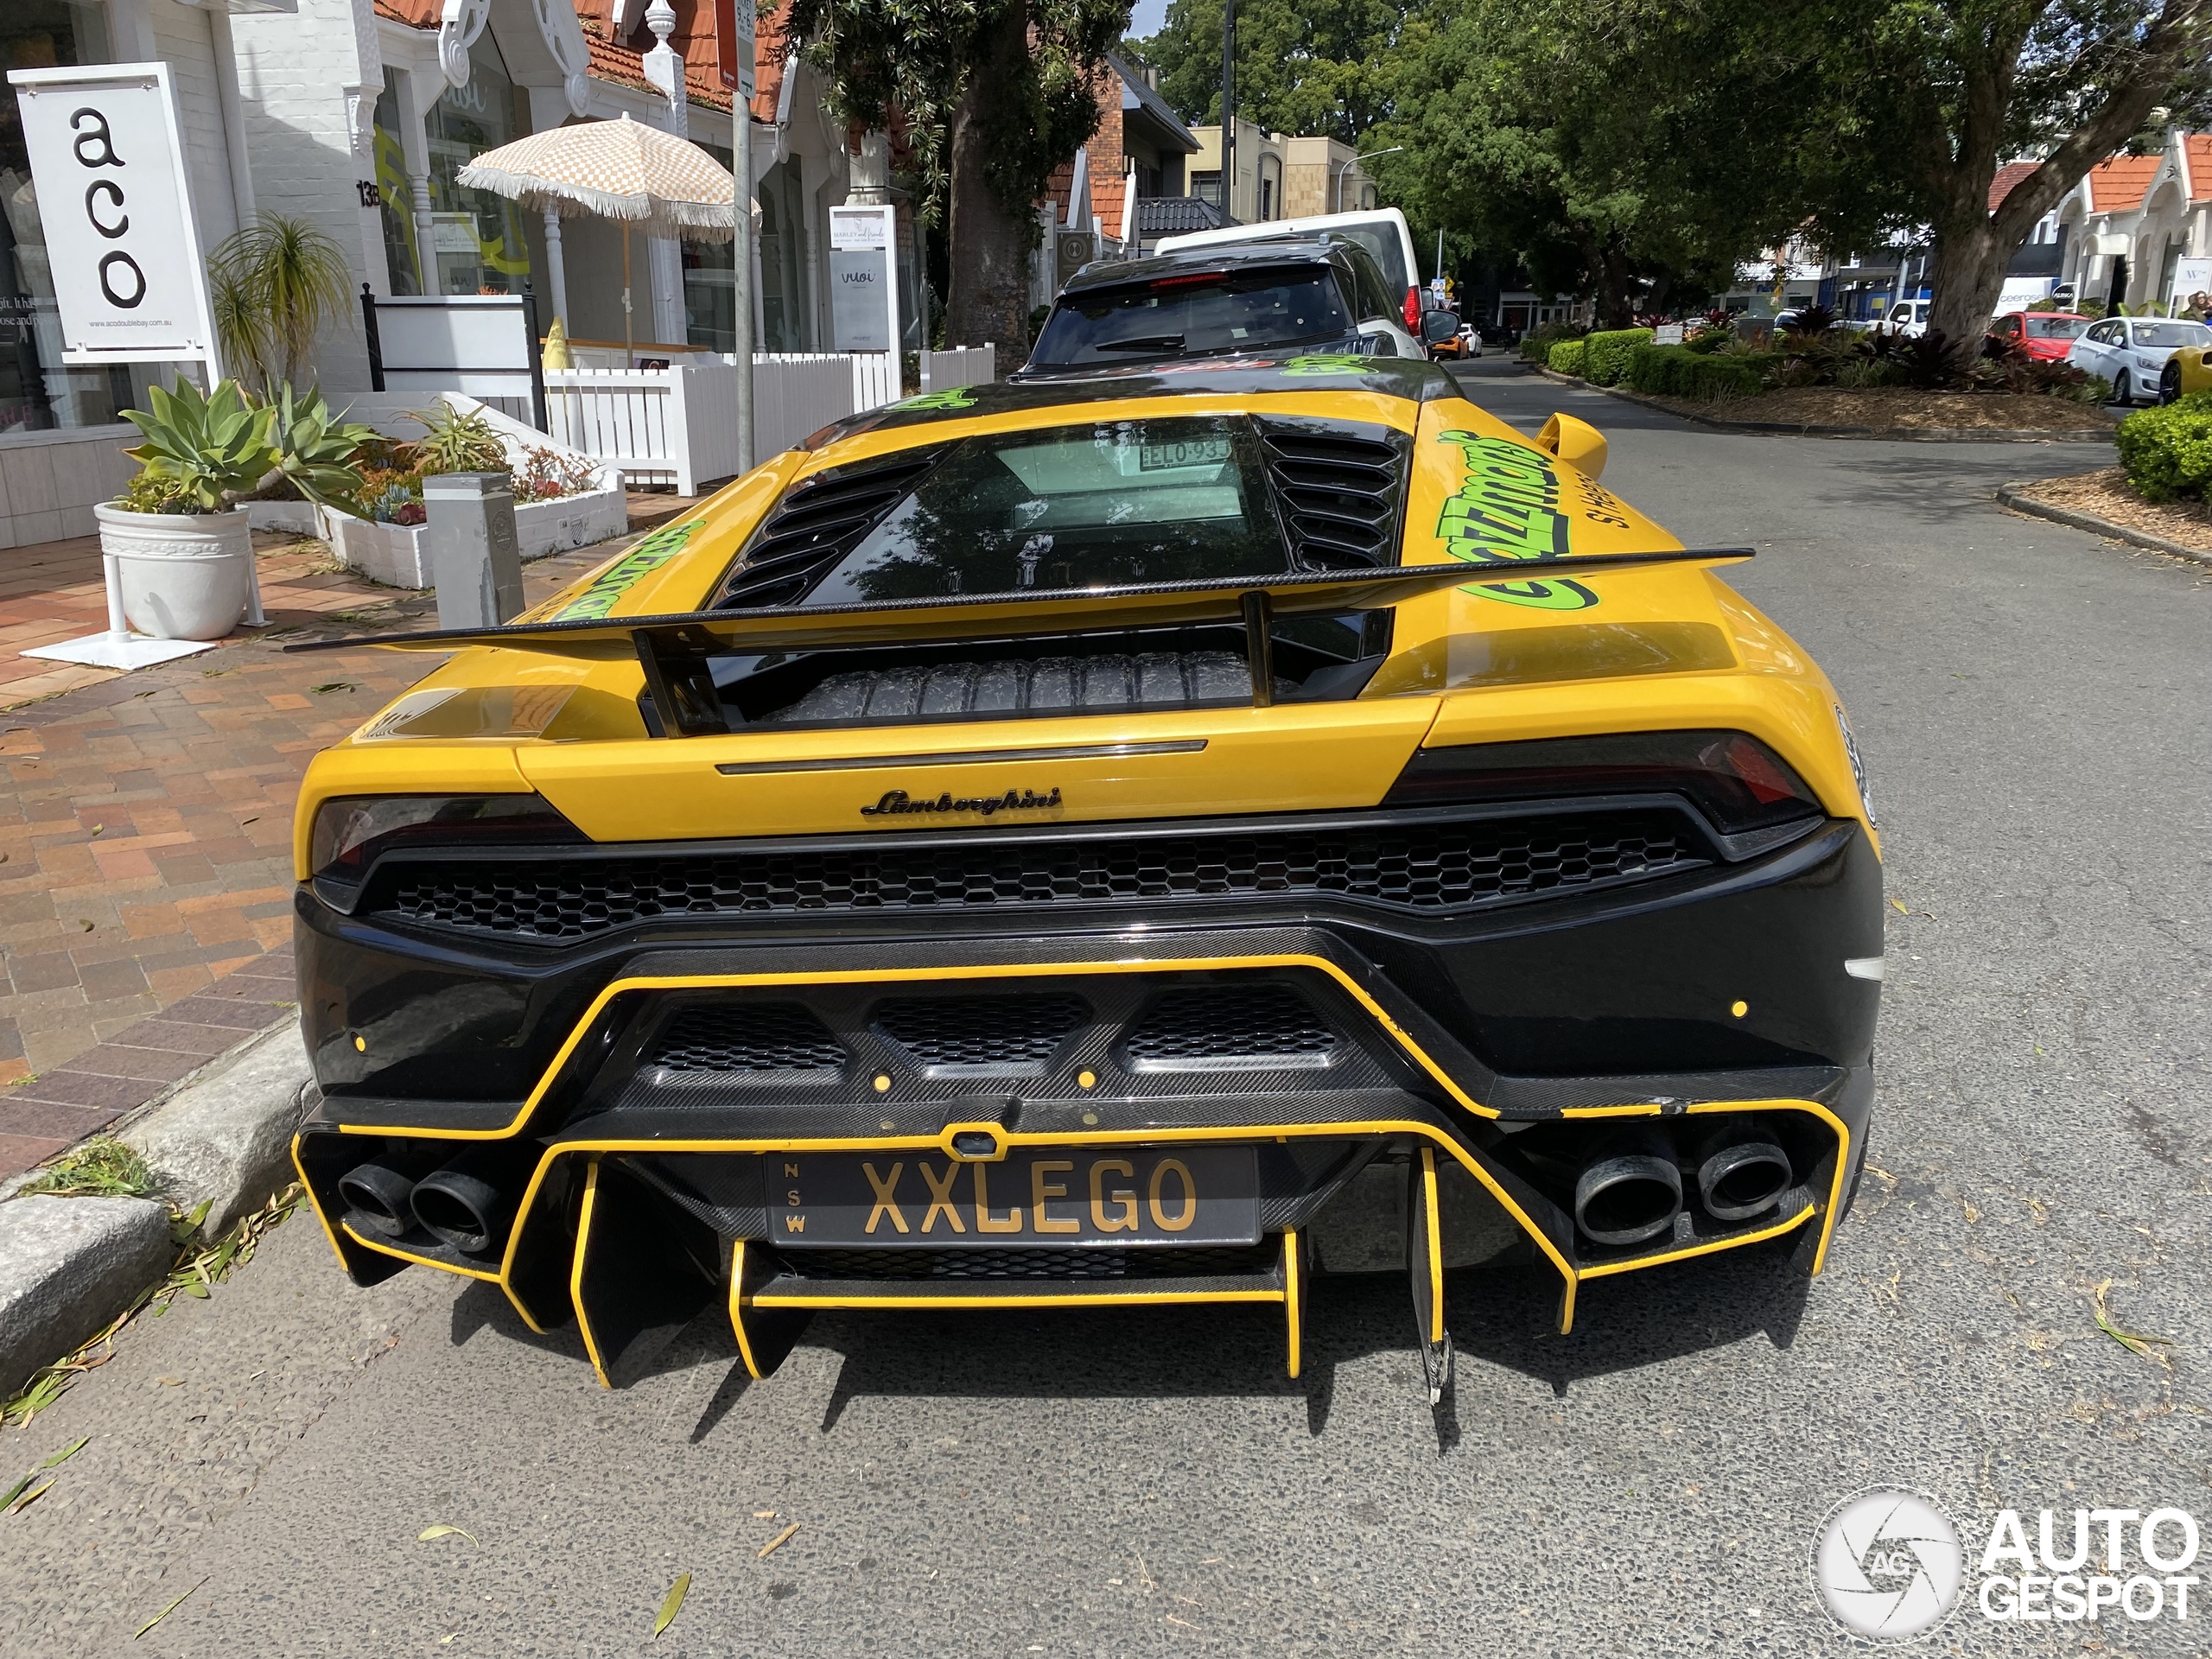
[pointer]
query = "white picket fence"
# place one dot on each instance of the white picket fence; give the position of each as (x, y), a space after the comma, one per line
(678, 425)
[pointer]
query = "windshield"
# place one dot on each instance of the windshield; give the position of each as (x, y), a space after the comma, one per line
(1192, 315)
(2167, 334)
(2057, 328)
(1120, 501)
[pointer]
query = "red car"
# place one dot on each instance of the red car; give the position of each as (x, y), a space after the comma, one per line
(2048, 334)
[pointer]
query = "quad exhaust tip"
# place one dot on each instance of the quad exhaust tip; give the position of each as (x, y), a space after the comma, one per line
(1630, 1194)
(1741, 1174)
(465, 1205)
(381, 1196)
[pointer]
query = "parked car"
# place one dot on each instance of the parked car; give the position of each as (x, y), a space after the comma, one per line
(1023, 851)
(2045, 335)
(1307, 295)
(1459, 345)
(2132, 353)
(1381, 230)
(1908, 317)
(2188, 370)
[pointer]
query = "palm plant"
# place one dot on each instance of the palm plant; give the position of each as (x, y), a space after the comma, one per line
(277, 285)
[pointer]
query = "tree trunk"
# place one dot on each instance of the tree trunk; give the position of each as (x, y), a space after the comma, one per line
(1968, 277)
(990, 246)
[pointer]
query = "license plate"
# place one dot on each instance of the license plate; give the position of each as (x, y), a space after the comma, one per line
(1184, 452)
(1175, 1195)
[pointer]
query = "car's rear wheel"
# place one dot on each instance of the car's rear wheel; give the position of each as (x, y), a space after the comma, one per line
(2170, 381)
(2121, 394)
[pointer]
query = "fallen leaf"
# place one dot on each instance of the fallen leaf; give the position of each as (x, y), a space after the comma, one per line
(66, 1452)
(30, 1498)
(330, 686)
(82, 923)
(163, 1614)
(764, 1515)
(1898, 904)
(18, 1489)
(778, 1541)
(442, 1531)
(169, 1381)
(2127, 1339)
(672, 1603)
(98, 828)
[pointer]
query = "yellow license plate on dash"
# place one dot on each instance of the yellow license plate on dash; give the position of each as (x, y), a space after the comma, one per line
(1175, 1196)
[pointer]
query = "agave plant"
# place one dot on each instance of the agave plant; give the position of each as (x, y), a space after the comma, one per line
(315, 449)
(458, 441)
(214, 449)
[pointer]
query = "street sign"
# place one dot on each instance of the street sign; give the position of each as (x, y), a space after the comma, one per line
(1667, 333)
(1071, 252)
(129, 278)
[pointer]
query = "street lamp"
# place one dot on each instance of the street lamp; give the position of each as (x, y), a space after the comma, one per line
(1337, 175)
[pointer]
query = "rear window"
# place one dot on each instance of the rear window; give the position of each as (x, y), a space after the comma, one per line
(1193, 316)
(2165, 335)
(2057, 328)
(1121, 501)
(1380, 239)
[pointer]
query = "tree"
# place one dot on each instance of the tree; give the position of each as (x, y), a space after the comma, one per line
(1923, 99)
(1630, 149)
(1002, 90)
(1306, 69)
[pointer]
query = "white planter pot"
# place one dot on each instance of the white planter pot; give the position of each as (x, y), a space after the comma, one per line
(183, 575)
(398, 556)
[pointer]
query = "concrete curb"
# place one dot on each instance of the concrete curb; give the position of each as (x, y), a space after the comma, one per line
(1792, 429)
(2014, 496)
(69, 1266)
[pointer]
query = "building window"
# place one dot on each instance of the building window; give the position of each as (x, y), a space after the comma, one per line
(477, 239)
(1147, 180)
(395, 203)
(786, 319)
(37, 393)
(1267, 196)
(1207, 186)
(710, 281)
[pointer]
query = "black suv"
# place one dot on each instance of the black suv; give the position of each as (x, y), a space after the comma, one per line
(1309, 296)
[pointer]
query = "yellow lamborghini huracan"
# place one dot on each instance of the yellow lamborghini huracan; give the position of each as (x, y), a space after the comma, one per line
(1149, 836)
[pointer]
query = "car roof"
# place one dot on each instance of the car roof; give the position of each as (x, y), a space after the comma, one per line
(1235, 255)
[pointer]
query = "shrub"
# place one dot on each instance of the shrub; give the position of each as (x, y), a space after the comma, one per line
(1567, 356)
(1605, 358)
(1536, 345)
(2167, 452)
(1679, 372)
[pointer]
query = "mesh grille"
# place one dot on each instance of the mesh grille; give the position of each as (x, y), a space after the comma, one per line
(1231, 1022)
(981, 1031)
(1339, 495)
(760, 1037)
(1422, 867)
(1216, 1261)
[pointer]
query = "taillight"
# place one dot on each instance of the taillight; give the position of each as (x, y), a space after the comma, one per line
(1412, 310)
(1735, 780)
(351, 832)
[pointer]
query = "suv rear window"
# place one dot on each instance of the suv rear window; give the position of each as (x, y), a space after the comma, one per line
(1194, 315)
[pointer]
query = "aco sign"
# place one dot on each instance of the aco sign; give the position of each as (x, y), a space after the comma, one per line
(116, 210)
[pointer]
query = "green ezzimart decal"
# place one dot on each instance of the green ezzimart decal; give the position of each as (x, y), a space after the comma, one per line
(957, 397)
(1506, 509)
(1328, 363)
(648, 555)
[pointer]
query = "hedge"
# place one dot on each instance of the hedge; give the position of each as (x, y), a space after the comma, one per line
(1566, 356)
(2167, 452)
(1607, 357)
(1678, 371)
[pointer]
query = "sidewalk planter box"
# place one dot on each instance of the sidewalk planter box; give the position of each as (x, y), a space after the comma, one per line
(398, 556)
(183, 575)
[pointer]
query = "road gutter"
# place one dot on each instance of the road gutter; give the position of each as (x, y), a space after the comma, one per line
(1794, 429)
(2015, 497)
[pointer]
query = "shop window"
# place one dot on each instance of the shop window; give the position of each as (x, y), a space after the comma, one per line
(477, 245)
(395, 203)
(710, 281)
(37, 393)
(786, 318)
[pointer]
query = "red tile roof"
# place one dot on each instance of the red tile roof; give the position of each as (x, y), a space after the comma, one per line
(2196, 153)
(2008, 176)
(2117, 185)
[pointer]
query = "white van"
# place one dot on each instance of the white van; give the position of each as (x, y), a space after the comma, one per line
(1381, 230)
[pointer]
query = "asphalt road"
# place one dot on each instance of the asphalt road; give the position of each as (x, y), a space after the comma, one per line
(2033, 704)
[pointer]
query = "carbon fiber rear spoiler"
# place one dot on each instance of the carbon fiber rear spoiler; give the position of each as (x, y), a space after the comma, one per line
(674, 649)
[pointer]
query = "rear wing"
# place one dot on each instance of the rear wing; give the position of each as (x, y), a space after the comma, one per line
(675, 649)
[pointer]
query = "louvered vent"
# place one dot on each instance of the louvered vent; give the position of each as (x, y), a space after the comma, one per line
(755, 1036)
(1339, 495)
(982, 1033)
(815, 525)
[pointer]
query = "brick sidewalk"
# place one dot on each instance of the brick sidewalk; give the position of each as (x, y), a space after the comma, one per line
(146, 835)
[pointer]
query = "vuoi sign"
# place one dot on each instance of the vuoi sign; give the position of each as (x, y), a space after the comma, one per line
(116, 209)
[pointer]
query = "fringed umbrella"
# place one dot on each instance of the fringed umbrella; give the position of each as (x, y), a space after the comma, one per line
(643, 178)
